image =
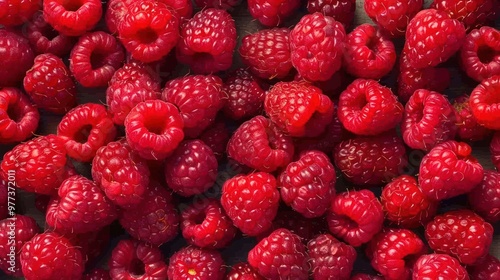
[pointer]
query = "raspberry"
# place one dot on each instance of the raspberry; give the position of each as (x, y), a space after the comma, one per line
(243, 271)
(154, 129)
(480, 53)
(317, 44)
(245, 97)
(72, 17)
(183, 8)
(438, 266)
(296, 223)
(371, 161)
(368, 108)
(17, 12)
(363, 276)
(136, 260)
(461, 234)
(207, 41)
(85, 129)
(495, 150)
(258, 144)
(330, 258)
(486, 268)
(392, 16)
(472, 14)
(149, 30)
(43, 39)
(155, 220)
(468, 128)
(4, 204)
(429, 119)
(484, 199)
(449, 170)
(18, 116)
(342, 11)
(115, 11)
(16, 56)
(274, 12)
(308, 184)
(216, 137)
(95, 58)
(355, 216)
(91, 244)
(97, 274)
(51, 256)
(227, 5)
(485, 102)
(198, 98)
(251, 201)
(191, 262)
(432, 37)
(267, 53)
(281, 255)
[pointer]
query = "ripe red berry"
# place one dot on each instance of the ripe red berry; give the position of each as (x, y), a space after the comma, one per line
(4, 197)
(91, 244)
(495, 150)
(468, 128)
(216, 137)
(274, 12)
(17, 12)
(340, 10)
(243, 271)
(480, 53)
(44, 39)
(245, 97)
(364, 276)
(484, 104)
(473, 14)
(16, 56)
(227, 5)
(191, 261)
(115, 11)
(486, 268)
(72, 17)
(439, 266)
(18, 116)
(484, 199)
(392, 16)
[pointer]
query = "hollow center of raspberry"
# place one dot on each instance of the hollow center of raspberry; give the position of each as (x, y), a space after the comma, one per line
(82, 135)
(349, 224)
(13, 113)
(147, 35)
(486, 54)
(97, 59)
(72, 5)
(154, 125)
(271, 139)
(198, 219)
(136, 267)
(49, 32)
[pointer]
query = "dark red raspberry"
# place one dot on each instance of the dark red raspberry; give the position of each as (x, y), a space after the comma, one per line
(267, 53)
(149, 30)
(371, 161)
(91, 244)
(495, 150)
(97, 274)
(392, 16)
(4, 197)
(486, 268)
(308, 184)
(439, 266)
(355, 216)
(16, 56)
(473, 14)
(449, 170)
(484, 199)
(468, 128)
(51, 256)
(274, 12)
(404, 203)
(363, 276)
(183, 8)
(330, 258)
(251, 201)
(17, 12)
(227, 5)
(192, 262)
(340, 10)
(245, 97)
(429, 119)
(18, 116)
(115, 11)
(317, 45)
(485, 104)
(72, 17)
(216, 137)
(207, 41)
(43, 39)
(136, 260)
(480, 53)
(243, 271)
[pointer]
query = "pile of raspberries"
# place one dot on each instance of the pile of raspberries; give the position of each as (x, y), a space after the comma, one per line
(312, 148)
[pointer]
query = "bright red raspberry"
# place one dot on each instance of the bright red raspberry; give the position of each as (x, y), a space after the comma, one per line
(468, 128)
(245, 97)
(190, 262)
(330, 258)
(97, 274)
(51, 256)
(486, 268)
(484, 199)
(485, 103)
(115, 11)
(16, 56)
(182, 8)
(317, 45)
(429, 119)
(251, 201)
(227, 5)
(364, 276)
(216, 137)
(340, 10)
(495, 150)
(473, 14)
(274, 12)
(17, 12)
(480, 53)
(44, 39)
(72, 17)
(243, 271)
(207, 41)
(18, 116)
(439, 266)
(392, 16)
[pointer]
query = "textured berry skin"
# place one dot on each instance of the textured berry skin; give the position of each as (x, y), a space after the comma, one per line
(18, 116)
(85, 129)
(484, 199)
(43, 39)
(495, 150)
(342, 11)
(468, 128)
(392, 16)
(72, 17)
(115, 11)
(149, 30)
(183, 8)
(317, 44)
(448, 170)
(432, 37)
(364, 276)
(484, 103)
(97, 274)
(51, 256)
(272, 13)
(486, 268)
(136, 260)
(439, 266)
(281, 255)
(17, 12)
(259, 144)
(16, 56)
(308, 184)
(472, 14)
(195, 263)
(4, 204)
(207, 41)
(91, 244)
(198, 97)
(267, 53)
(480, 53)
(355, 216)
(216, 137)
(330, 258)
(243, 271)
(429, 119)
(227, 5)
(251, 201)
(245, 97)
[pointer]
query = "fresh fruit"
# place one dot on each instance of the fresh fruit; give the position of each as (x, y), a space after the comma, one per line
(17, 12)
(243, 271)
(274, 12)
(72, 17)
(191, 261)
(245, 97)
(495, 150)
(43, 39)
(340, 10)
(484, 102)
(439, 266)
(468, 127)
(484, 199)
(18, 116)
(392, 16)
(16, 56)
(472, 14)
(487, 268)
(480, 53)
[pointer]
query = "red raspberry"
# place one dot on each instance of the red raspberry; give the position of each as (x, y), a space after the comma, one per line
(245, 97)
(308, 184)
(449, 170)
(51, 256)
(136, 260)
(392, 16)
(340, 10)
(251, 201)
(281, 255)
(429, 119)
(4, 198)
(317, 45)
(115, 11)
(404, 203)
(207, 41)
(17, 12)
(195, 263)
(272, 12)
(355, 216)
(227, 5)
(91, 244)
(495, 150)
(43, 39)
(330, 258)
(484, 103)
(371, 161)
(216, 137)
(121, 173)
(363, 276)
(149, 30)
(296, 223)
(183, 8)
(243, 271)
(198, 98)
(480, 53)
(486, 268)
(97, 274)
(267, 53)
(439, 266)
(155, 220)
(468, 128)
(432, 37)
(484, 199)
(16, 56)
(473, 14)
(72, 17)
(18, 116)
(461, 234)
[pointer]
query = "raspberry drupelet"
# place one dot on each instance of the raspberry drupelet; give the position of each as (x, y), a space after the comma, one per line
(480, 53)
(18, 116)
(484, 102)
(72, 17)
(16, 56)
(274, 12)
(204, 264)
(473, 14)
(44, 39)
(392, 16)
